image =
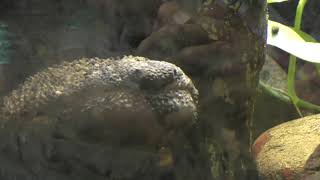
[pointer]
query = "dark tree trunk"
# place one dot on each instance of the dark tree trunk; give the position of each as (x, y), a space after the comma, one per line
(225, 68)
(227, 97)
(222, 48)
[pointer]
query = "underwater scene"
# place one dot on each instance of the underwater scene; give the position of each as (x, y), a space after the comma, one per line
(159, 90)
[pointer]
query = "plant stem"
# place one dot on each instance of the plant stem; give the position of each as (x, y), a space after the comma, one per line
(284, 97)
(292, 64)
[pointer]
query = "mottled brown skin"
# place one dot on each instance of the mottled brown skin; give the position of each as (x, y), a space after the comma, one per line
(123, 118)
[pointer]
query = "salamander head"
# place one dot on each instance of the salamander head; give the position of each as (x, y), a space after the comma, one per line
(117, 95)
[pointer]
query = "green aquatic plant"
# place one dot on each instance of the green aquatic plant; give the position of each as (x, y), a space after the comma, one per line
(298, 44)
(292, 41)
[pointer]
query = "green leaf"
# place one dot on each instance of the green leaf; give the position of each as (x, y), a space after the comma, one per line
(299, 44)
(275, 1)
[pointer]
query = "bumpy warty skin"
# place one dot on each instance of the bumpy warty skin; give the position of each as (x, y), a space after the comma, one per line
(158, 80)
(54, 123)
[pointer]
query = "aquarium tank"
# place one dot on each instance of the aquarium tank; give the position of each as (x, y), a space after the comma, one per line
(159, 90)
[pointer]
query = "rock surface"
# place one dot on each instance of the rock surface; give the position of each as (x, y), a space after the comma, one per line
(283, 151)
(97, 119)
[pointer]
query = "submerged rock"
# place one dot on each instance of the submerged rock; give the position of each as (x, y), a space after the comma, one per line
(285, 151)
(97, 119)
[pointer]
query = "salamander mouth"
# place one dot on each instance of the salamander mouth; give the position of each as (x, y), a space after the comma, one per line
(161, 103)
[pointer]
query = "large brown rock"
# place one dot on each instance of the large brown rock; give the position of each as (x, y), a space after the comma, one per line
(288, 151)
